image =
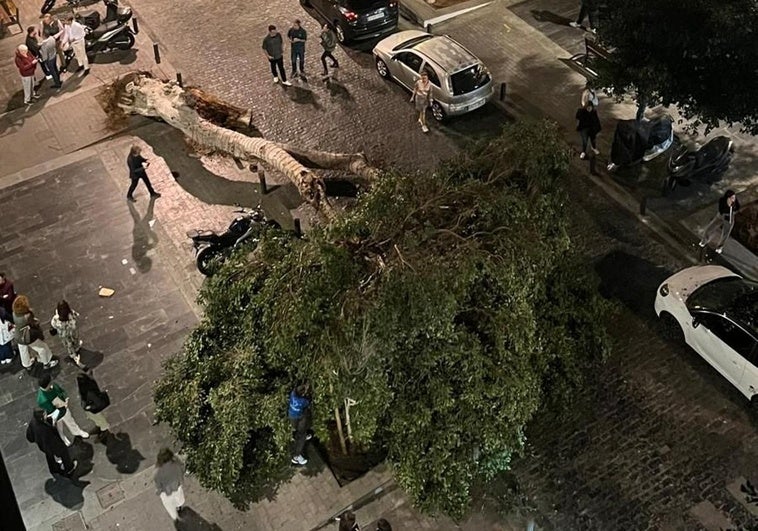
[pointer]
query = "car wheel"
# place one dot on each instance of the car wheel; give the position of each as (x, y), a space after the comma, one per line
(754, 407)
(438, 112)
(381, 67)
(341, 37)
(670, 328)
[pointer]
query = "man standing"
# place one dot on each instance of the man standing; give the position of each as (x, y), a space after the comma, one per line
(41, 432)
(49, 55)
(273, 47)
(75, 34)
(724, 220)
(328, 43)
(7, 293)
(297, 36)
(299, 413)
(137, 170)
(52, 399)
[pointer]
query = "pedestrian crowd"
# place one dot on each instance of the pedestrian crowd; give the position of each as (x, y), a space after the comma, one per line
(273, 48)
(51, 46)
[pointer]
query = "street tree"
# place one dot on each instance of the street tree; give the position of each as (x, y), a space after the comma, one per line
(699, 55)
(432, 319)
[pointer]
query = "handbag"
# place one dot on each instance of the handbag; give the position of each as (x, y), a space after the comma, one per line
(97, 401)
(26, 335)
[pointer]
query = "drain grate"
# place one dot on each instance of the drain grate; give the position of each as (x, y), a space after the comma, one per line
(72, 522)
(110, 494)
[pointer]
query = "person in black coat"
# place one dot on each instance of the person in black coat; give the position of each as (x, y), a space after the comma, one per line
(588, 125)
(723, 222)
(47, 438)
(94, 401)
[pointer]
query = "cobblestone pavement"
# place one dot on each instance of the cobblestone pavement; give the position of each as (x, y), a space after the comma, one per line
(217, 45)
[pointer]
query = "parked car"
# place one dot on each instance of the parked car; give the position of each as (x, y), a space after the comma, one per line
(716, 311)
(357, 19)
(460, 82)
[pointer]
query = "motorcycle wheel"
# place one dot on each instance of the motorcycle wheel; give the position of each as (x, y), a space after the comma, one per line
(47, 6)
(127, 43)
(209, 259)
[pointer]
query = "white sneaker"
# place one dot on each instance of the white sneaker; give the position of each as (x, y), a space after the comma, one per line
(276, 80)
(582, 155)
(596, 151)
(52, 364)
(48, 77)
(84, 435)
(299, 460)
(286, 83)
(575, 25)
(308, 436)
(719, 250)
(701, 244)
(425, 129)
(593, 31)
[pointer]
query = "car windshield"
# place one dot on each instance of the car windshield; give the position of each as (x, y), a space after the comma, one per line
(415, 41)
(734, 296)
(469, 80)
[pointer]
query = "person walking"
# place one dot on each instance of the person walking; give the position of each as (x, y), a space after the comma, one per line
(27, 65)
(94, 401)
(6, 337)
(348, 522)
(137, 165)
(41, 432)
(297, 36)
(588, 9)
(169, 473)
(328, 42)
(299, 414)
(723, 221)
(422, 98)
(65, 322)
(7, 293)
(53, 400)
(588, 125)
(75, 34)
(273, 47)
(29, 336)
(49, 57)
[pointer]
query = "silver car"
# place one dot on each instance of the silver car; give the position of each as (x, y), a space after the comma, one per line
(460, 82)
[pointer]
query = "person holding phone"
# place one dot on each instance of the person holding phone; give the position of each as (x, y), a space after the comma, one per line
(137, 165)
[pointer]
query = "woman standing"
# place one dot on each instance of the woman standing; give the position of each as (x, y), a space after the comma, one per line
(422, 98)
(169, 472)
(29, 336)
(65, 323)
(723, 221)
(588, 125)
(94, 401)
(6, 335)
(348, 522)
(589, 96)
(26, 64)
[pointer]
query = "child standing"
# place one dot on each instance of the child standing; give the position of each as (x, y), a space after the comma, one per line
(65, 323)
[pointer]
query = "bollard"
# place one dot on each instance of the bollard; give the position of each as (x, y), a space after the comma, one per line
(179, 79)
(262, 180)
(298, 230)
(135, 26)
(157, 53)
(428, 28)
(502, 91)
(643, 206)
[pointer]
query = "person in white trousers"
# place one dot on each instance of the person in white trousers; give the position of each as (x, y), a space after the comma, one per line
(75, 34)
(51, 398)
(29, 335)
(169, 473)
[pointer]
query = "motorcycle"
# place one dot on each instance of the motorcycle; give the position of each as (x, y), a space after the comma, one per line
(49, 4)
(709, 162)
(113, 33)
(212, 249)
(635, 141)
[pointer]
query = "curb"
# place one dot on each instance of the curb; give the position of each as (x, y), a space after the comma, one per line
(418, 12)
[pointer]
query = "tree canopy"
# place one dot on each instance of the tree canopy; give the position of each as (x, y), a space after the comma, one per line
(447, 304)
(700, 55)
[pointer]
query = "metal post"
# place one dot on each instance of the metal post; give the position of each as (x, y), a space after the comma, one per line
(643, 206)
(135, 26)
(298, 229)
(179, 79)
(428, 28)
(157, 53)
(502, 91)
(262, 180)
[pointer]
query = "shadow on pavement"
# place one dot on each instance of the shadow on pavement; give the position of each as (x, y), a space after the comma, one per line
(191, 521)
(143, 237)
(119, 451)
(303, 96)
(544, 15)
(91, 358)
(125, 57)
(69, 493)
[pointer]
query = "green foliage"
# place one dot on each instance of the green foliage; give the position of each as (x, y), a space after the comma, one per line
(699, 55)
(445, 304)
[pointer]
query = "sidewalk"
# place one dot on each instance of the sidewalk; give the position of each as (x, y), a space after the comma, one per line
(525, 44)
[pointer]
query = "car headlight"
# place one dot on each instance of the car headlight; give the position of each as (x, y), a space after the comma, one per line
(664, 290)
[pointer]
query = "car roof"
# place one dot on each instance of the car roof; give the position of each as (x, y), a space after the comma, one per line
(446, 53)
(735, 297)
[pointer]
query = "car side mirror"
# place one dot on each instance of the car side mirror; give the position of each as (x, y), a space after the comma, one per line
(695, 322)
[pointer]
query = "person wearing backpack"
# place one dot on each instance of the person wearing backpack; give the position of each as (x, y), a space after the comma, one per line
(328, 43)
(94, 401)
(29, 335)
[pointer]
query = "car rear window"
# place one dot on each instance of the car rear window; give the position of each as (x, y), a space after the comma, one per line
(469, 80)
(362, 5)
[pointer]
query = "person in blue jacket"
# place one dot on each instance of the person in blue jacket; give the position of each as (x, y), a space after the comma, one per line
(299, 413)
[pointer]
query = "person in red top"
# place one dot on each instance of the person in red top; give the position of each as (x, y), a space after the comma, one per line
(26, 64)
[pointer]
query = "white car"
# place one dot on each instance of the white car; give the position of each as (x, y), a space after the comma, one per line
(717, 312)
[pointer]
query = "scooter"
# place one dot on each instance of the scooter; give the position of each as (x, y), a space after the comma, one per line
(49, 4)
(114, 33)
(113, 13)
(709, 163)
(212, 249)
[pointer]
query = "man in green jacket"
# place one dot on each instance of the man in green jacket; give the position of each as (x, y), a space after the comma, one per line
(53, 400)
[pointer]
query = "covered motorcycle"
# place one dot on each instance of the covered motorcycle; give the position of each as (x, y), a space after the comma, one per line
(635, 142)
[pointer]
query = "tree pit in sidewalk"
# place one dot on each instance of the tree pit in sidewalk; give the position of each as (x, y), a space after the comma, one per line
(349, 465)
(746, 226)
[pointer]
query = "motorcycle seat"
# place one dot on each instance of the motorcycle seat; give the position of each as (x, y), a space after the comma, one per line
(201, 234)
(104, 28)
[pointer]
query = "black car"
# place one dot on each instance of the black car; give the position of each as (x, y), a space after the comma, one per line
(357, 19)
